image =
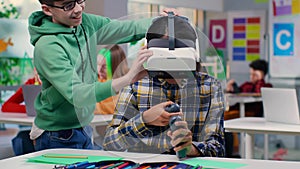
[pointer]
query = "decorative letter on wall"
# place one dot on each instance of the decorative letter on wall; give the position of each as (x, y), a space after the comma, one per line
(217, 33)
(283, 39)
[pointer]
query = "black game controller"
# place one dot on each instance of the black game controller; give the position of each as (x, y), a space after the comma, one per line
(172, 108)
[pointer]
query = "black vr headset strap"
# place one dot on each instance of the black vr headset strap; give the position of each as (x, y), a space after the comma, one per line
(171, 30)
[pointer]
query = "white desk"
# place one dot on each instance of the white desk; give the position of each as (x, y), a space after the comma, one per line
(242, 98)
(23, 119)
(256, 125)
(20, 161)
(16, 118)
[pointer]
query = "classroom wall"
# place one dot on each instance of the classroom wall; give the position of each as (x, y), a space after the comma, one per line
(231, 5)
(239, 70)
(284, 70)
(115, 9)
(210, 5)
(112, 9)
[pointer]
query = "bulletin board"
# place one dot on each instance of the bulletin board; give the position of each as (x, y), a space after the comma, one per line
(246, 30)
(284, 32)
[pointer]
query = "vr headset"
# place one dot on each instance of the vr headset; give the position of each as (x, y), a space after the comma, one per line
(172, 57)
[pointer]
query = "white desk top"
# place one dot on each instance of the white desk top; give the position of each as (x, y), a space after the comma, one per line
(16, 118)
(242, 98)
(20, 161)
(259, 125)
(23, 119)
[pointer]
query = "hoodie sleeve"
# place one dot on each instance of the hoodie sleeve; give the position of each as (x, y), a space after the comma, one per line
(60, 78)
(115, 31)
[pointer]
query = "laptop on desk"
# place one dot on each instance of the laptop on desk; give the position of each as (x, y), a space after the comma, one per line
(29, 93)
(280, 105)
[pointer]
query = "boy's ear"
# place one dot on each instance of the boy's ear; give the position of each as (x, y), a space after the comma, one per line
(46, 10)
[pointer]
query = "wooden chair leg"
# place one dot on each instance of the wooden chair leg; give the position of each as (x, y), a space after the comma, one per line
(236, 143)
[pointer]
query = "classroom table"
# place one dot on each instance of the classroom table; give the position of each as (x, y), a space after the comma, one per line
(21, 161)
(23, 119)
(258, 125)
(242, 98)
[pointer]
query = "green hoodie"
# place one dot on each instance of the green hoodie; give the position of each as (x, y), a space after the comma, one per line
(65, 59)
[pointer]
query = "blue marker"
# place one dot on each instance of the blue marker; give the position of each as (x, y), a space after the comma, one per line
(77, 165)
(128, 167)
(131, 166)
(91, 166)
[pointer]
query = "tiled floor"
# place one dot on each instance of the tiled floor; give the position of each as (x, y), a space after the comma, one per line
(5, 144)
(277, 148)
(291, 155)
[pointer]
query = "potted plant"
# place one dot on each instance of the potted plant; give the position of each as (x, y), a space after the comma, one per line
(8, 11)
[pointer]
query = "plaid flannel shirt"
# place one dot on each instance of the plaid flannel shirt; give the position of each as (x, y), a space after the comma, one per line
(202, 104)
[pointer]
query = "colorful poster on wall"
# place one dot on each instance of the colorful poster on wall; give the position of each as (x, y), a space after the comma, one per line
(283, 42)
(246, 39)
(284, 58)
(286, 7)
(217, 33)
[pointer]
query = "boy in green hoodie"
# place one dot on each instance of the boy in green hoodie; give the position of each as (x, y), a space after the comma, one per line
(65, 57)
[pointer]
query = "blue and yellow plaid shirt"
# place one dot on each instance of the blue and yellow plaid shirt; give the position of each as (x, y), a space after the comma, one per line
(202, 103)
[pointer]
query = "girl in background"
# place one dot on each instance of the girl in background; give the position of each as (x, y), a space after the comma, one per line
(111, 64)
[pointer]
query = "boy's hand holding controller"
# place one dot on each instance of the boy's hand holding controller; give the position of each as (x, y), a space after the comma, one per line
(178, 131)
(158, 116)
(180, 134)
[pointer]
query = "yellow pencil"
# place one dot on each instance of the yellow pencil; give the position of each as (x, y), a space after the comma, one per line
(58, 156)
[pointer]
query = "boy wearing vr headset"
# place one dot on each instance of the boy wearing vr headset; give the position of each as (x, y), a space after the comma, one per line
(141, 122)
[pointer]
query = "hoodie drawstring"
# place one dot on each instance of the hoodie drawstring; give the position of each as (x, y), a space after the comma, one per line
(80, 51)
(87, 45)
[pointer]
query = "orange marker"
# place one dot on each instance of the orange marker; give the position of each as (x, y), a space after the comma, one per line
(163, 166)
(172, 167)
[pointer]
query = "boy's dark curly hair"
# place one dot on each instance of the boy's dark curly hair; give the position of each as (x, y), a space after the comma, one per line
(260, 65)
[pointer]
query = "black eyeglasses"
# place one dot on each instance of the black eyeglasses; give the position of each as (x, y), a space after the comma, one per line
(69, 6)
